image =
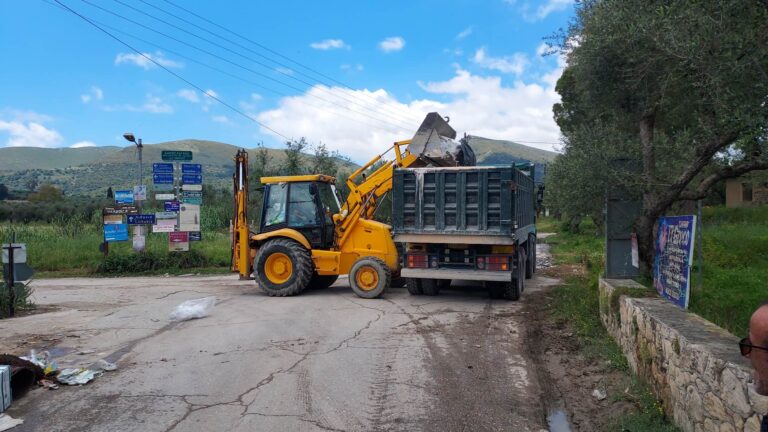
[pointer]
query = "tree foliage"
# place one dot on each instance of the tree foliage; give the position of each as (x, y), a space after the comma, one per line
(4, 194)
(46, 193)
(678, 88)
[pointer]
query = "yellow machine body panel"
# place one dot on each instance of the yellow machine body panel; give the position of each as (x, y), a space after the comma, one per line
(298, 178)
(285, 232)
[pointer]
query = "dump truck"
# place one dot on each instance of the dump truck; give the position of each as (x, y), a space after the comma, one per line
(308, 235)
(466, 223)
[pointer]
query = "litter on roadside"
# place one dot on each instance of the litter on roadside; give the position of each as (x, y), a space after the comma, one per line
(105, 365)
(8, 422)
(191, 309)
(50, 385)
(77, 376)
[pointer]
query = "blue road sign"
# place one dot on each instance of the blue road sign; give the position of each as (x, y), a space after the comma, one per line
(124, 196)
(116, 232)
(166, 168)
(162, 178)
(192, 179)
(191, 169)
(141, 219)
(172, 206)
(195, 236)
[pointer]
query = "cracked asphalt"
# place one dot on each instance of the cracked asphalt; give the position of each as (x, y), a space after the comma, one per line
(324, 360)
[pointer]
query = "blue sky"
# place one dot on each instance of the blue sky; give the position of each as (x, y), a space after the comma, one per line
(65, 83)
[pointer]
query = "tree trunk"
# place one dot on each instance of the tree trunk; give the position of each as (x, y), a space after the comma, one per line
(645, 242)
(574, 223)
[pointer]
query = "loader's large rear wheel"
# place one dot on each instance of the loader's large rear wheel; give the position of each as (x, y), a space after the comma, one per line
(321, 281)
(369, 277)
(282, 267)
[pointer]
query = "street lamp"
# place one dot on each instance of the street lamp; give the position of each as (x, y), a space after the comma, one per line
(131, 138)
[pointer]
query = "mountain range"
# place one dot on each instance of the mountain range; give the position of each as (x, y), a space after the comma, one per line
(91, 170)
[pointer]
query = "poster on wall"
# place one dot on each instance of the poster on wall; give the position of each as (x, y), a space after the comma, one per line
(674, 256)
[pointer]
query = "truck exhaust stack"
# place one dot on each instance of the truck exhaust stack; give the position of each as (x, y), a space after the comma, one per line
(434, 144)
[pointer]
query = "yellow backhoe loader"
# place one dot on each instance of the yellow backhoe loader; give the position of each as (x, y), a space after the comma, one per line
(307, 236)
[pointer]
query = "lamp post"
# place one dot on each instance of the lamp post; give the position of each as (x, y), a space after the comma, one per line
(138, 243)
(131, 138)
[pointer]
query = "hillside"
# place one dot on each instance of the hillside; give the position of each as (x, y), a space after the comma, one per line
(490, 151)
(90, 171)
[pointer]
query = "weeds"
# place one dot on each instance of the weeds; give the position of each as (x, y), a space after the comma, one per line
(22, 298)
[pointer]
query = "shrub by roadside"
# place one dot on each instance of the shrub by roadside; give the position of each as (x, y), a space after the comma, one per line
(22, 299)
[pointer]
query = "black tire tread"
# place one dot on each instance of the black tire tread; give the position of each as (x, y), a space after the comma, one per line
(383, 266)
(302, 267)
(413, 286)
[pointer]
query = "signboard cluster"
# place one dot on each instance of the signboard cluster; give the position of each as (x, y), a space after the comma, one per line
(179, 187)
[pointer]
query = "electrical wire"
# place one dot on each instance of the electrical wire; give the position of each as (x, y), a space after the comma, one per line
(268, 67)
(331, 79)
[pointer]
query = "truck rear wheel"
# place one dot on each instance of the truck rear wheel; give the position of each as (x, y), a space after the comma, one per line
(530, 261)
(413, 286)
(515, 288)
(282, 267)
(322, 281)
(369, 277)
(430, 287)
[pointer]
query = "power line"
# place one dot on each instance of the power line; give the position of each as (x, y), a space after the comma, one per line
(172, 72)
(268, 67)
(400, 110)
(240, 65)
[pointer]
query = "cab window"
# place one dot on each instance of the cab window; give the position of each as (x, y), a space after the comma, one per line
(302, 210)
(276, 204)
(328, 201)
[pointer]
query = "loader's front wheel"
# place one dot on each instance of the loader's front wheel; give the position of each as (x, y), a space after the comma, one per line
(369, 277)
(282, 267)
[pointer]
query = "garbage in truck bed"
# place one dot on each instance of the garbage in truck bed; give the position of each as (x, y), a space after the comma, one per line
(434, 144)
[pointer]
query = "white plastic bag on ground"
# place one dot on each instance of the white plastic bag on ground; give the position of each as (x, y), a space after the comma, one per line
(191, 309)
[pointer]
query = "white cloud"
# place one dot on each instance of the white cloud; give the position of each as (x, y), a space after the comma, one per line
(391, 44)
(143, 61)
(329, 44)
(208, 100)
(188, 95)
(156, 105)
(541, 12)
(94, 93)
(514, 64)
(23, 132)
(464, 33)
(82, 144)
(348, 67)
(222, 119)
(477, 105)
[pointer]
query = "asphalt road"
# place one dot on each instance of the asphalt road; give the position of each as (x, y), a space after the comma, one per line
(324, 360)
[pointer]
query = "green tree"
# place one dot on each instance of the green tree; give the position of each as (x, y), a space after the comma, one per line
(46, 193)
(323, 161)
(3, 192)
(110, 194)
(293, 164)
(682, 85)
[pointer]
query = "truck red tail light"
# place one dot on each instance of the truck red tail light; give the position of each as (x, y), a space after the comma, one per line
(417, 261)
(494, 262)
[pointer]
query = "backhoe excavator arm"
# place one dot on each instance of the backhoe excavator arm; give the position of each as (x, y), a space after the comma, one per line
(241, 232)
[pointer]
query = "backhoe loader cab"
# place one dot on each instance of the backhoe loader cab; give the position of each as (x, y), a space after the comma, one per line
(303, 203)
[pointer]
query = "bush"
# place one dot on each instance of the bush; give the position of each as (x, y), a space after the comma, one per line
(151, 261)
(22, 300)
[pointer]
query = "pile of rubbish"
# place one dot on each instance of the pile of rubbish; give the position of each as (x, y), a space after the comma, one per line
(41, 368)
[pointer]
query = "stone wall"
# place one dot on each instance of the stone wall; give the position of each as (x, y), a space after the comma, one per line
(693, 366)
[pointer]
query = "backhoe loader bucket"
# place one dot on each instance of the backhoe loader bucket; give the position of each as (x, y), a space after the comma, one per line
(434, 144)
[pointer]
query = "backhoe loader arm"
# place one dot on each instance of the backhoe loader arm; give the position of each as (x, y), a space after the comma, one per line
(241, 232)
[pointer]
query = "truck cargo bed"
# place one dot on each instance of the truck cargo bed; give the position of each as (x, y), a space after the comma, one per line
(472, 204)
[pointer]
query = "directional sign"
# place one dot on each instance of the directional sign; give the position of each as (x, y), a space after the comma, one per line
(166, 215)
(192, 197)
(191, 169)
(124, 196)
(176, 155)
(116, 232)
(166, 168)
(163, 187)
(165, 197)
(141, 219)
(195, 236)
(192, 187)
(192, 179)
(163, 228)
(120, 210)
(19, 252)
(171, 206)
(162, 178)
(21, 272)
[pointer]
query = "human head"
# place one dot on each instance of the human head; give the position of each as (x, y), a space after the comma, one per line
(758, 336)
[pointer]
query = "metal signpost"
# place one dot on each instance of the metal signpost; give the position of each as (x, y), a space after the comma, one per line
(14, 268)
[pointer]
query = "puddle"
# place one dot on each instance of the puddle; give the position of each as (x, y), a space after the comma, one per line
(558, 421)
